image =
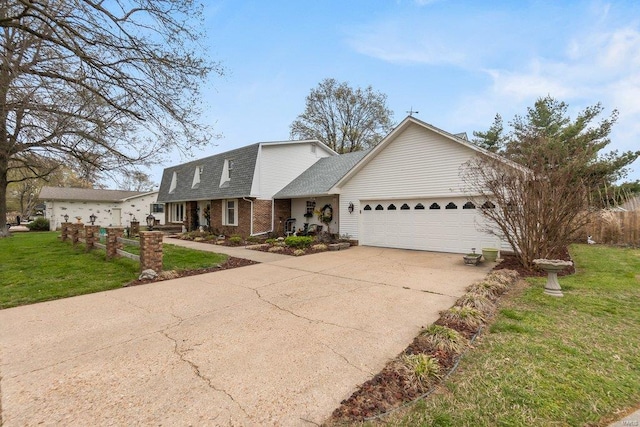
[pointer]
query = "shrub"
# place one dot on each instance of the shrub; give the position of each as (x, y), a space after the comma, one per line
(489, 288)
(39, 224)
(444, 338)
(423, 368)
(298, 241)
(467, 316)
(253, 239)
(270, 241)
(478, 301)
(235, 240)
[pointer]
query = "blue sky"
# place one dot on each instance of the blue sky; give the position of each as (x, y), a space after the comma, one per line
(456, 62)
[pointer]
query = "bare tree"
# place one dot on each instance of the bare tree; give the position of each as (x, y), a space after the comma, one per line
(102, 85)
(537, 211)
(542, 189)
(344, 118)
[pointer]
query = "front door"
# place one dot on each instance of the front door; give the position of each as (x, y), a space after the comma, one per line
(115, 217)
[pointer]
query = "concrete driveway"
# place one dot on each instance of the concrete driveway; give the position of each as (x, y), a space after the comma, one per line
(279, 343)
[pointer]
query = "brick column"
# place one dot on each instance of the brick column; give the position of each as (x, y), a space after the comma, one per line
(91, 235)
(64, 235)
(135, 228)
(112, 241)
(151, 250)
(75, 232)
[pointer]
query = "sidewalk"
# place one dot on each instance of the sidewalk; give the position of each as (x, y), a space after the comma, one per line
(630, 420)
(234, 251)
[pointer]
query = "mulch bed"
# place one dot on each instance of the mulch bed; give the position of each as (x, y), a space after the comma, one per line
(231, 262)
(510, 262)
(391, 389)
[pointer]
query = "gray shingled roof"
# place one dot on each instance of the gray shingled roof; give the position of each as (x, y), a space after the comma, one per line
(321, 176)
(244, 162)
(86, 194)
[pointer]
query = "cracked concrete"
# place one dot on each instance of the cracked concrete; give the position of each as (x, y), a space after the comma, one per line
(278, 343)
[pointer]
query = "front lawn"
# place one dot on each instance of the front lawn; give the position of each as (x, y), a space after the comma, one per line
(551, 361)
(37, 267)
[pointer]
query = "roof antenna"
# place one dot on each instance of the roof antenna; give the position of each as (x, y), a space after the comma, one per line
(411, 112)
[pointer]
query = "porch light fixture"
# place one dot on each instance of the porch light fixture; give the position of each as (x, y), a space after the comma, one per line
(151, 221)
(66, 217)
(92, 218)
(350, 208)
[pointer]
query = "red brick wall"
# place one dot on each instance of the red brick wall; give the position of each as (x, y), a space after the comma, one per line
(191, 215)
(261, 216)
(282, 212)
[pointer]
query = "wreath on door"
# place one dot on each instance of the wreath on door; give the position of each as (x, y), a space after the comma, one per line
(325, 215)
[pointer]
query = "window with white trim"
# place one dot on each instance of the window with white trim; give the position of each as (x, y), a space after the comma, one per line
(230, 212)
(176, 212)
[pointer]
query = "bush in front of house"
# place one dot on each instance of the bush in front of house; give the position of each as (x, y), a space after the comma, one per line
(298, 241)
(235, 239)
(39, 224)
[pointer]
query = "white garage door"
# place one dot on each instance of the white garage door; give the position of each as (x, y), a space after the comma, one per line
(442, 225)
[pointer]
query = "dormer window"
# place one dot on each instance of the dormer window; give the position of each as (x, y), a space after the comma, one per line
(227, 169)
(196, 177)
(174, 183)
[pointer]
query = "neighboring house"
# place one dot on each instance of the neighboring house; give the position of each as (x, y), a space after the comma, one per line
(111, 207)
(235, 189)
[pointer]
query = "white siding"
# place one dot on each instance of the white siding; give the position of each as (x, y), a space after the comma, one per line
(279, 164)
(299, 207)
(138, 207)
(418, 163)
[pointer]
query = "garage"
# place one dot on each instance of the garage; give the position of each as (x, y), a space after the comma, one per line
(438, 224)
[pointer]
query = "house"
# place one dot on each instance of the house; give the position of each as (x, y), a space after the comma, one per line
(232, 192)
(407, 192)
(311, 192)
(111, 207)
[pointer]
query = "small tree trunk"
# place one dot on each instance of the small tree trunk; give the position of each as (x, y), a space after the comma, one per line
(4, 165)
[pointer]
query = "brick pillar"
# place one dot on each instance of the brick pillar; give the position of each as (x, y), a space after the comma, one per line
(65, 231)
(112, 241)
(75, 232)
(91, 235)
(135, 229)
(151, 250)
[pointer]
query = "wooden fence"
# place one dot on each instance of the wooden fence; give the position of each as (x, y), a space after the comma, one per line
(610, 227)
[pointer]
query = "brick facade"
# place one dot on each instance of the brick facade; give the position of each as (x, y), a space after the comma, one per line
(151, 250)
(191, 216)
(112, 241)
(76, 231)
(65, 230)
(261, 216)
(135, 229)
(91, 235)
(282, 211)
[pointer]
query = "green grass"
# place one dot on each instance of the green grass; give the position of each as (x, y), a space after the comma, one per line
(569, 361)
(38, 267)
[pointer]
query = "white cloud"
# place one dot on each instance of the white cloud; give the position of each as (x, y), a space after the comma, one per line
(396, 42)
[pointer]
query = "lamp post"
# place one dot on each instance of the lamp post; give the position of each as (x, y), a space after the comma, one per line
(66, 217)
(92, 218)
(151, 221)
